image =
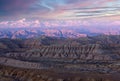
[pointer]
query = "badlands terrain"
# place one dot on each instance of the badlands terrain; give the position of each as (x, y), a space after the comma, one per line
(90, 58)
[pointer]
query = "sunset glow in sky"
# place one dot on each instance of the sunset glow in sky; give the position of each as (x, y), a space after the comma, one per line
(33, 12)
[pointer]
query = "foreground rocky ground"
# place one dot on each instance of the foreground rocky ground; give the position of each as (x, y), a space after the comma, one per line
(17, 74)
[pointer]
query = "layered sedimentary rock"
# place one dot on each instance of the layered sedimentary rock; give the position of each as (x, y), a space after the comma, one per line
(84, 52)
(74, 58)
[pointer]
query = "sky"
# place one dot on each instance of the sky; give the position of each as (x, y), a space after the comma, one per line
(25, 13)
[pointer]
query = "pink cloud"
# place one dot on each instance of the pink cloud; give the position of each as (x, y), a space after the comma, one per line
(58, 23)
(20, 23)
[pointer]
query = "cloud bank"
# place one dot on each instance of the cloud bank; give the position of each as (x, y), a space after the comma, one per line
(59, 9)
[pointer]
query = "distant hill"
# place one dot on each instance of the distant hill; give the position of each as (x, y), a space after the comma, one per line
(59, 31)
(66, 32)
